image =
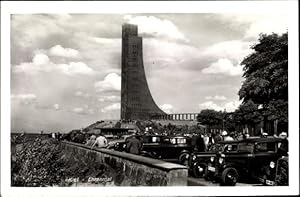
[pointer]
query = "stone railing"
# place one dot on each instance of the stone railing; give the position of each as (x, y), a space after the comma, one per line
(131, 170)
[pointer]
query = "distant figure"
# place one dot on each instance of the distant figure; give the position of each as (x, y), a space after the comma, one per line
(206, 140)
(200, 145)
(134, 145)
(218, 138)
(226, 137)
(91, 141)
(283, 147)
(53, 135)
(79, 138)
(100, 141)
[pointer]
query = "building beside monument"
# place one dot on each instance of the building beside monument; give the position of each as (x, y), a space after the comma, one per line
(136, 100)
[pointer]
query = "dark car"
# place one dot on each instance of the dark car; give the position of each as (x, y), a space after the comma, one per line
(282, 171)
(168, 148)
(276, 173)
(248, 162)
(198, 160)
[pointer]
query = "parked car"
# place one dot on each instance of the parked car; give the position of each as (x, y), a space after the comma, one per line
(168, 148)
(276, 173)
(247, 163)
(282, 171)
(198, 160)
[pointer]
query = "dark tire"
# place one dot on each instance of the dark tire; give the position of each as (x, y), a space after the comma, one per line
(207, 175)
(184, 159)
(199, 170)
(229, 177)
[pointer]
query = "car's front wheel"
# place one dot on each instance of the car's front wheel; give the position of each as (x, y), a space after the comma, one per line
(184, 159)
(229, 177)
(199, 170)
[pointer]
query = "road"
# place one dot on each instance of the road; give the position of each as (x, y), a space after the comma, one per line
(202, 182)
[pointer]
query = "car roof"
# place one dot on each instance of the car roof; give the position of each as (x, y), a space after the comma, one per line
(252, 140)
(228, 142)
(266, 139)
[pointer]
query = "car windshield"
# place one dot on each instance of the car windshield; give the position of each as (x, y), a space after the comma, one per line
(230, 147)
(245, 147)
(181, 140)
(216, 147)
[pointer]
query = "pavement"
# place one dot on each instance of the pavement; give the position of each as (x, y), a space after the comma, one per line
(202, 182)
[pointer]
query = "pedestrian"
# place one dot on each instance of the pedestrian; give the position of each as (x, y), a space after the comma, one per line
(100, 141)
(283, 146)
(200, 145)
(133, 145)
(218, 138)
(91, 141)
(226, 137)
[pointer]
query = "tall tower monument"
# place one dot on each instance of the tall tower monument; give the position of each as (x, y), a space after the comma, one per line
(136, 100)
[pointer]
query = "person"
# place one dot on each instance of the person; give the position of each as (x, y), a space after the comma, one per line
(133, 145)
(211, 140)
(218, 138)
(91, 141)
(226, 137)
(200, 145)
(283, 146)
(100, 141)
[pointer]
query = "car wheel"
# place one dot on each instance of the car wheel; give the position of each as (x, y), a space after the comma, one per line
(229, 176)
(199, 170)
(207, 175)
(184, 159)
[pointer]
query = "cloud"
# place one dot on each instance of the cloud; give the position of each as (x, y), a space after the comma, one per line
(216, 97)
(262, 23)
(156, 27)
(112, 107)
(111, 82)
(58, 50)
(232, 49)
(109, 98)
(42, 63)
(81, 94)
(168, 108)
(232, 106)
(74, 68)
(25, 99)
(56, 107)
(223, 66)
(210, 105)
(229, 106)
(85, 110)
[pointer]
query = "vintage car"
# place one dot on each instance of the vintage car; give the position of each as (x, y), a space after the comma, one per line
(276, 173)
(247, 161)
(168, 148)
(198, 160)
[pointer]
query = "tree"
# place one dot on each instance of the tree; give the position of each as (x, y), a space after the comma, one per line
(266, 76)
(210, 118)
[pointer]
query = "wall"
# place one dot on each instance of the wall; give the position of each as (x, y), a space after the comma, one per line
(129, 169)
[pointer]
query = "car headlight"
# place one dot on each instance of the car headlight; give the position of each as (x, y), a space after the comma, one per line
(221, 160)
(212, 159)
(272, 164)
(194, 157)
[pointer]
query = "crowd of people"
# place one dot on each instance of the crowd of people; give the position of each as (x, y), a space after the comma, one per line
(200, 141)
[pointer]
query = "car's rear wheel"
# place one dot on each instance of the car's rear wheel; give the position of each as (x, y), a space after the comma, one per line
(184, 159)
(229, 177)
(199, 170)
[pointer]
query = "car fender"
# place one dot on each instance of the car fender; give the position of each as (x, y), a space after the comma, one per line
(184, 151)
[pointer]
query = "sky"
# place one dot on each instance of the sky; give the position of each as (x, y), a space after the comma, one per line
(65, 69)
